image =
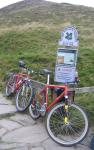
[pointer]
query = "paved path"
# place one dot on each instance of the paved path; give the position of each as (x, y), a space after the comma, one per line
(19, 132)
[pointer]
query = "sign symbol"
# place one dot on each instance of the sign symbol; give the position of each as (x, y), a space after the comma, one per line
(68, 36)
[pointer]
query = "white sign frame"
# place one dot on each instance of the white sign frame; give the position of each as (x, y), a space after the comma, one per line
(69, 37)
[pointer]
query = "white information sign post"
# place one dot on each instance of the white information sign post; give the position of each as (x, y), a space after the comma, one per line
(65, 68)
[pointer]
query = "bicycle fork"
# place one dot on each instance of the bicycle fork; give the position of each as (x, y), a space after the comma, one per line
(66, 107)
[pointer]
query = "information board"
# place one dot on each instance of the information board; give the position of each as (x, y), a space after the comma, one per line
(65, 65)
(66, 57)
(65, 74)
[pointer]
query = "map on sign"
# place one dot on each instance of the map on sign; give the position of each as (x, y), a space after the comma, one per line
(69, 37)
(66, 57)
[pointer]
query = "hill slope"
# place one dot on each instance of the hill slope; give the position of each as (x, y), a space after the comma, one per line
(31, 30)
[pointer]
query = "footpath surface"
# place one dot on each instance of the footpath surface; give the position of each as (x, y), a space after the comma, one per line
(19, 132)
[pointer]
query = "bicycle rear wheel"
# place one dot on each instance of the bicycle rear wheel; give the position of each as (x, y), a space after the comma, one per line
(70, 133)
(24, 96)
(10, 86)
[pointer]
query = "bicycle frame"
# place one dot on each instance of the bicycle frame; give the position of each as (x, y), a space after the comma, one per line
(45, 90)
(18, 80)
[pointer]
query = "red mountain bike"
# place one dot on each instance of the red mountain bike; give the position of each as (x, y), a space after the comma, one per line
(66, 122)
(19, 83)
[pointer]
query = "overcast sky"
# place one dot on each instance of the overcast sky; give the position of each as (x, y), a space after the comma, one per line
(4, 3)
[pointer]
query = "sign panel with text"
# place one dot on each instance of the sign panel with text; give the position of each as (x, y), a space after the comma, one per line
(64, 74)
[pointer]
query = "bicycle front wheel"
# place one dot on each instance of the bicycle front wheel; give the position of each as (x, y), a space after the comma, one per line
(35, 109)
(24, 96)
(67, 133)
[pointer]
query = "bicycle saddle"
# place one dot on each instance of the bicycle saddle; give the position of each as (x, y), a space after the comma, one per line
(46, 71)
(21, 64)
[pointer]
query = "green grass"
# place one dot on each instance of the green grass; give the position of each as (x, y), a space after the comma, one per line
(86, 101)
(38, 49)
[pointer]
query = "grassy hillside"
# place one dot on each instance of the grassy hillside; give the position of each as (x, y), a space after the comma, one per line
(31, 30)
